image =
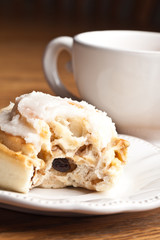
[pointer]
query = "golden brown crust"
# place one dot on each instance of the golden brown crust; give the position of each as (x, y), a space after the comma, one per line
(121, 148)
(17, 170)
(16, 144)
(20, 158)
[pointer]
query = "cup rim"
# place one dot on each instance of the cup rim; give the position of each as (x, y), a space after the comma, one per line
(117, 49)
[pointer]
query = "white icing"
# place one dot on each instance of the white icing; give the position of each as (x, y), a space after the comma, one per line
(37, 106)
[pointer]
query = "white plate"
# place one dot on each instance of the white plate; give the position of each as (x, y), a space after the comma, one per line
(138, 189)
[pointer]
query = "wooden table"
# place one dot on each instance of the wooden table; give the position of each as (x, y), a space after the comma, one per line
(21, 51)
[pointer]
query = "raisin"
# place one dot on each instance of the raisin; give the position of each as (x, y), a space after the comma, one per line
(61, 164)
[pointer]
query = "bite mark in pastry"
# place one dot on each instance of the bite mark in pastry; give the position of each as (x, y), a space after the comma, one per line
(51, 142)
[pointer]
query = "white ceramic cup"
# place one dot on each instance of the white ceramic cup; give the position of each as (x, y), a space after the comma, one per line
(118, 72)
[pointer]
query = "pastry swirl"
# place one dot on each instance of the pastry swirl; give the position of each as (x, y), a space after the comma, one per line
(52, 142)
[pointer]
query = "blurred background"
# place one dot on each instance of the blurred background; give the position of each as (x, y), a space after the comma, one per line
(26, 26)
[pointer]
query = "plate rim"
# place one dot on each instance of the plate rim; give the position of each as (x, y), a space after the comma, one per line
(33, 204)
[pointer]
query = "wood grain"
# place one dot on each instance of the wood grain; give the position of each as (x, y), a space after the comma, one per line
(21, 51)
(144, 225)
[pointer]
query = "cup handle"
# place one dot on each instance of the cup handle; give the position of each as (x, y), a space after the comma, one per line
(50, 58)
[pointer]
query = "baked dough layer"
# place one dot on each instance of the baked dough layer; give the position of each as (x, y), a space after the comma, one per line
(17, 170)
